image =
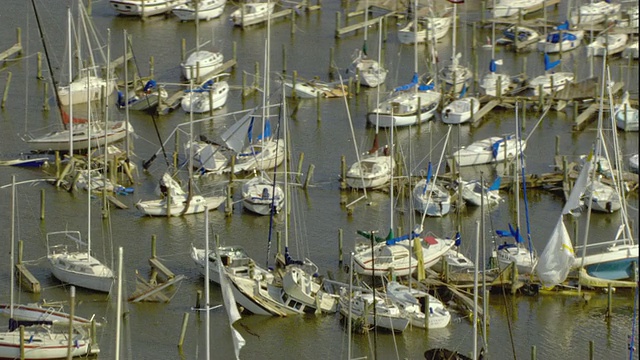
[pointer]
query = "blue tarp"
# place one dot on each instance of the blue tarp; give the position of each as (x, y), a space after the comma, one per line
(563, 26)
(414, 82)
(515, 233)
(151, 84)
(495, 147)
(429, 174)
(403, 237)
(493, 66)
(496, 184)
(548, 64)
(555, 37)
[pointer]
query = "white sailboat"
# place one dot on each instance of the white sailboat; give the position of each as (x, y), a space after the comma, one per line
(252, 13)
(409, 104)
(201, 63)
(200, 9)
(626, 116)
(359, 304)
(417, 30)
(144, 7)
(595, 12)
(562, 39)
(551, 81)
(370, 72)
(413, 302)
(38, 340)
(607, 43)
(429, 197)
(494, 83)
(460, 110)
(212, 94)
(454, 74)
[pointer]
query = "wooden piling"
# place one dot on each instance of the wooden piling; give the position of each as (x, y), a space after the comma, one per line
(299, 172)
(183, 331)
(45, 98)
(309, 176)
(340, 253)
(318, 112)
(42, 202)
(6, 89)
(39, 71)
(284, 60)
(343, 172)
(228, 206)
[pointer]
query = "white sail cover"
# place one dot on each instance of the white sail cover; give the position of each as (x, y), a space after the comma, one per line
(232, 309)
(558, 256)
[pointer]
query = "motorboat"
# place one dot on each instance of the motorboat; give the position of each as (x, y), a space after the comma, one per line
(144, 8)
(461, 110)
(595, 12)
(489, 150)
(609, 44)
(204, 9)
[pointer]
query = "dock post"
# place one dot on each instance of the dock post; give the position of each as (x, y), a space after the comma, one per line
(340, 237)
(575, 110)
(45, 102)
(591, 350)
(540, 96)
(557, 145)
(42, 204)
(183, 50)
(293, 23)
(199, 297)
(331, 68)
(337, 33)
(72, 306)
(6, 89)
(343, 172)
(499, 88)
(279, 240)
(21, 341)
(284, 61)
(533, 352)
(309, 176)
(183, 331)
(318, 112)
(244, 84)
(294, 81)
(39, 56)
(609, 300)
(153, 246)
(523, 123)
(300, 161)
(483, 8)
(228, 206)
(152, 63)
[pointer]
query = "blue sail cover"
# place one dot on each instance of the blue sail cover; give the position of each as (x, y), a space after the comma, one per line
(548, 64)
(414, 82)
(554, 38)
(250, 130)
(394, 240)
(149, 85)
(428, 179)
(458, 239)
(425, 87)
(267, 131)
(563, 26)
(496, 184)
(493, 66)
(495, 147)
(515, 233)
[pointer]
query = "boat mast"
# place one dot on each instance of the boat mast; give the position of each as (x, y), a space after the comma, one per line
(88, 172)
(13, 236)
(70, 80)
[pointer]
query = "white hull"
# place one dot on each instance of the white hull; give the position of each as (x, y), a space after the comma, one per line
(252, 13)
(402, 109)
(197, 205)
(434, 201)
(235, 261)
(372, 172)
(207, 10)
(472, 193)
(387, 316)
(489, 84)
(205, 101)
(516, 7)
(460, 111)
(595, 12)
(261, 156)
(522, 258)
(258, 197)
(550, 47)
(482, 152)
(144, 7)
(201, 63)
(59, 140)
(559, 81)
(436, 28)
(82, 270)
(35, 312)
(609, 44)
(84, 89)
(39, 345)
(370, 72)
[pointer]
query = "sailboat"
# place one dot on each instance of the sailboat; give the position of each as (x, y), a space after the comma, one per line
(260, 194)
(412, 302)
(431, 198)
(517, 253)
(370, 72)
(561, 39)
(201, 63)
(627, 117)
(432, 25)
(77, 134)
(551, 81)
(38, 340)
(461, 110)
(595, 12)
(409, 104)
(200, 9)
(454, 74)
(493, 83)
(78, 266)
(211, 94)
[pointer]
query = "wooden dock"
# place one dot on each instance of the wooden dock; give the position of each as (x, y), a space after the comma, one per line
(484, 110)
(274, 16)
(15, 49)
(349, 28)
